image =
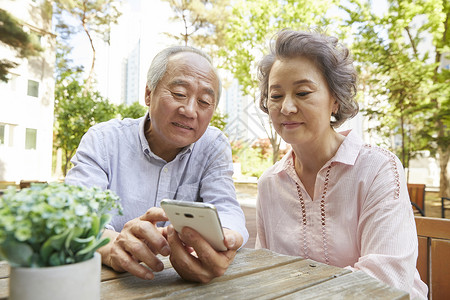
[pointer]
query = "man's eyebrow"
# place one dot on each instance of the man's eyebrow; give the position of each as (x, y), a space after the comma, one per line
(178, 82)
(181, 82)
(210, 92)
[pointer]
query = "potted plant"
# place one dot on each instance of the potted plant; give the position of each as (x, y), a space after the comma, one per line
(54, 230)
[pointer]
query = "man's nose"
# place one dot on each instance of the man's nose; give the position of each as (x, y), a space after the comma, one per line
(188, 108)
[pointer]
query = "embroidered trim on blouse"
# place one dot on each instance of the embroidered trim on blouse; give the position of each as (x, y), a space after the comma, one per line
(322, 217)
(394, 168)
(302, 204)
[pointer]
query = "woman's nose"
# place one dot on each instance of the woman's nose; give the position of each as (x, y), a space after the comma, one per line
(288, 107)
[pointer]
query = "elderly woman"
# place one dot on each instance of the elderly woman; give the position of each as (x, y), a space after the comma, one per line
(331, 198)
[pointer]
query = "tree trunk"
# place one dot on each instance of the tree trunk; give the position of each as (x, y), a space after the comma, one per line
(444, 187)
(275, 148)
(67, 158)
(91, 72)
(402, 128)
(66, 162)
(86, 30)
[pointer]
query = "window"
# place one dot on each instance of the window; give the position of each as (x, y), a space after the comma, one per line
(7, 134)
(33, 88)
(30, 138)
(2, 134)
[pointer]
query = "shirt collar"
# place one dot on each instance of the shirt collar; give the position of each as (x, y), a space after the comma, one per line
(349, 149)
(146, 148)
(285, 163)
(347, 153)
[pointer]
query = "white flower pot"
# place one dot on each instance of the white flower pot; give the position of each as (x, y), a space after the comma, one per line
(73, 281)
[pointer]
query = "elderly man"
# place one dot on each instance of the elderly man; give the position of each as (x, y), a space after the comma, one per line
(169, 153)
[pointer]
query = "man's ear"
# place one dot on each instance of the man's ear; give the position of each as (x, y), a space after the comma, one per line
(148, 95)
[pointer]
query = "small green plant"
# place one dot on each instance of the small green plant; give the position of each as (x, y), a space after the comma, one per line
(53, 224)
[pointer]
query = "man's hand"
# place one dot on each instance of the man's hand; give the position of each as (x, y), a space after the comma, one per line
(193, 257)
(139, 241)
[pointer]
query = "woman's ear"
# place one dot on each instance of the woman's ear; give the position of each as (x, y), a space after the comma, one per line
(335, 107)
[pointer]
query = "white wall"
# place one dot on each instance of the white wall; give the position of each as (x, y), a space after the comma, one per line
(18, 111)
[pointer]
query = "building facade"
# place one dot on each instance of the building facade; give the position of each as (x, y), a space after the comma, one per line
(27, 100)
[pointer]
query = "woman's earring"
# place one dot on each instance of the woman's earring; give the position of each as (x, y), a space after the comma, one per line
(333, 118)
(333, 114)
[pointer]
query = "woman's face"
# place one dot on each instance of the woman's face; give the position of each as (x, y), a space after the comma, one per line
(299, 101)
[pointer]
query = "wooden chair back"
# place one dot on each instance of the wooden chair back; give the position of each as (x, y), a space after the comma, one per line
(6, 184)
(27, 183)
(417, 196)
(433, 262)
(444, 206)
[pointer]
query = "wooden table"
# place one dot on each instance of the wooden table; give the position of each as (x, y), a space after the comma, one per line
(260, 274)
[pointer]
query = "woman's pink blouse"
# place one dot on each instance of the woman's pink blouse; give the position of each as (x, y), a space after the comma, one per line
(360, 216)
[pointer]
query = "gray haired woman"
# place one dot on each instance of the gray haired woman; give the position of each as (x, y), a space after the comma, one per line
(331, 198)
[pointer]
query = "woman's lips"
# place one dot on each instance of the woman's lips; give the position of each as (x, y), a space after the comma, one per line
(290, 125)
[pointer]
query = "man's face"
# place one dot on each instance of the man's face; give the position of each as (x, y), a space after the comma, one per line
(182, 104)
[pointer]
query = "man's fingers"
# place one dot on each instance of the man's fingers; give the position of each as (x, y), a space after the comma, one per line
(186, 265)
(139, 249)
(214, 261)
(140, 241)
(122, 261)
(154, 215)
(233, 240)
(147, 232)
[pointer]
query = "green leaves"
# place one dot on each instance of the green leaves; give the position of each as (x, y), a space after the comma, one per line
(253, 23)
(399, 54)
(133, 110)
(55, 224)
(13, 35)
(218, 120)
(76, 110)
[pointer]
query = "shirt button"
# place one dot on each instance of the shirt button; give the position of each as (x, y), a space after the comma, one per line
(165, 170)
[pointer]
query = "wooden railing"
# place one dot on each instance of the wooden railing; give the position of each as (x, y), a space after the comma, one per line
(433, 261)
(417, 197)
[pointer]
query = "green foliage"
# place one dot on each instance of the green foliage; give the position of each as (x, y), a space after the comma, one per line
(133, 111)
(246, 29)
(13, 35)
(94, 17)
(53, 224)
(203, 21)
(236, 32)
(219, 120)
(252, 164)
(408, 88)
(252, 23)
(76, 110)
(254, 159)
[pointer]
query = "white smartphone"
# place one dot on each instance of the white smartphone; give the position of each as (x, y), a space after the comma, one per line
(202, 217)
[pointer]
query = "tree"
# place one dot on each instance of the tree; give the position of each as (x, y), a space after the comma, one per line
(407, 84)
(94, 16)
(218, 120)
(237, 35)
(134, 110)
(202, 21)
(250, 25)
(75, 112)
(13, 35)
